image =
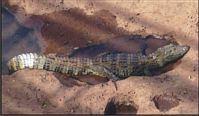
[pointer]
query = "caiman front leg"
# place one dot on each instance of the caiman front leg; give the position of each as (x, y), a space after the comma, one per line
(105, 72)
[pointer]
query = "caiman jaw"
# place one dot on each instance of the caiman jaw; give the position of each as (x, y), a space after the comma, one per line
(183, 50)
(171, 53)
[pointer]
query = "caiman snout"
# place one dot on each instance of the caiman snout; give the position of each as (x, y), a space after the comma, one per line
(185, 49)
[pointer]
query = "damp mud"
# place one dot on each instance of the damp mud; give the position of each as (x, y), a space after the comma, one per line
(67, 30)
(89, 29)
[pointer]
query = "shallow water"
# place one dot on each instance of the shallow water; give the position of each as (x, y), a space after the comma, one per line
(16, 38)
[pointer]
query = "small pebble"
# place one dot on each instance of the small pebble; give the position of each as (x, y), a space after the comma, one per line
(185, 92)
(72, 111)
(44, 105)
(89, 41)
(194, 68)
(75, 48)
(190, 77)
(138, 14)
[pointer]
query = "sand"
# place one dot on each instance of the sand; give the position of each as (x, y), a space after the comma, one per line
(75, 24)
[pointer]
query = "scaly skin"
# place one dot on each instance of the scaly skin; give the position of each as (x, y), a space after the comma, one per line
(113, 66)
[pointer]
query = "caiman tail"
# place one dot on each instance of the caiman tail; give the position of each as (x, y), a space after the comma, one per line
(72, 66)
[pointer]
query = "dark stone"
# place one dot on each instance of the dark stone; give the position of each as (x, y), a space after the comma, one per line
(165, 102)
(121, 104)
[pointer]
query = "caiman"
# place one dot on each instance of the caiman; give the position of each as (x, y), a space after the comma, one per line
(113, 66)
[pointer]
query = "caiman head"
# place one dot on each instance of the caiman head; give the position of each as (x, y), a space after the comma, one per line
(170, 53)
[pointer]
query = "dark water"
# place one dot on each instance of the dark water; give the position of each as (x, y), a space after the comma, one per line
(126, 44)
(16, 38)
